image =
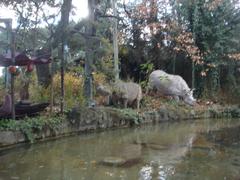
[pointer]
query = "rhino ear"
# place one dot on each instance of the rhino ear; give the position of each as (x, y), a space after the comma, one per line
(190, 91)
(186, 92)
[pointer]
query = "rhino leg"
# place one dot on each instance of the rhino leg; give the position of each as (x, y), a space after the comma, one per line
(108, 100)
(138, 104)
(125, 102)
(176, 98)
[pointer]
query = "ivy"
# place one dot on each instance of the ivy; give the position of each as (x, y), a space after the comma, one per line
(146, 69)
(29, 126)
(132, 115)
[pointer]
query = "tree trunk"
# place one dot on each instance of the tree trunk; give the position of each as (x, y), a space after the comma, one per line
(65, 11)
(91, 31)
(115, 43)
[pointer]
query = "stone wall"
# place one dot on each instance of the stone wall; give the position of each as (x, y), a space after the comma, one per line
(92, 119)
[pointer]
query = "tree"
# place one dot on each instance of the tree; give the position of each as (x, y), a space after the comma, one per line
(212, 24)
(115, 43)
(194, 31)
(65, 11)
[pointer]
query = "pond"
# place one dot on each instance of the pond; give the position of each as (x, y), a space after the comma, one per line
(202, 149)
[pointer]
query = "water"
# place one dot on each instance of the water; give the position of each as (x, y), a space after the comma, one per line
(204, 149)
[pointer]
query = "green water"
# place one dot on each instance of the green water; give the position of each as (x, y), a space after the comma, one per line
(204, 149)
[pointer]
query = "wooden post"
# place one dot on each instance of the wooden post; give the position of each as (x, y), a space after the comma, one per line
(6, 78)
(51, 85)
(62, 80)
(12, 76)
(193, 74)
(8, 24)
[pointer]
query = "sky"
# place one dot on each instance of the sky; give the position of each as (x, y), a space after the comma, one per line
(81, 11)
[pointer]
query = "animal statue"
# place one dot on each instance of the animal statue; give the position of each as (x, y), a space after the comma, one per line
(171, 85)
(105, 92)
(122, 93)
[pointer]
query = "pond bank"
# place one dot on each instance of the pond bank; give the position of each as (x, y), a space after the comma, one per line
(101, 118)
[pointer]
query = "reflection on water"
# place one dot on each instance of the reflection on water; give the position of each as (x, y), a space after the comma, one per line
(205, 149)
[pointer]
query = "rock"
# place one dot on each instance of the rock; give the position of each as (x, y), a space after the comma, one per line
(157, 147)
(225, 136)
(113, 161)
(126, 156)
(201, 142)
(10, 137)
(153, 146)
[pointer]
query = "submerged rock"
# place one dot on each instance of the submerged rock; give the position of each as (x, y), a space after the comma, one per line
(201, 142)
(225, 136)
(128, 155)
(113, 161)
(153, 146)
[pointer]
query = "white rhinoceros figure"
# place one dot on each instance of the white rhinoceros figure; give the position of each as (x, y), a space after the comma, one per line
(122, 93)
(171, 85)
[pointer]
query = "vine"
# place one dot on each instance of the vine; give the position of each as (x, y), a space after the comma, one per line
(132, 115)
(29, 126)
